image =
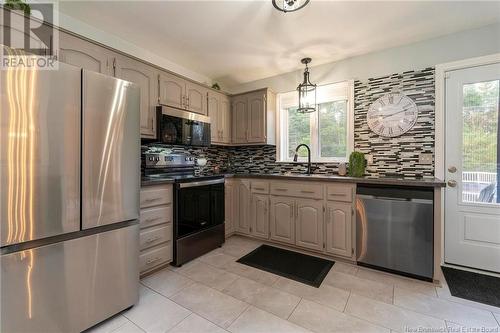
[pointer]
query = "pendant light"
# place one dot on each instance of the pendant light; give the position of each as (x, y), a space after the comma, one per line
(307, 92)
(289, 5)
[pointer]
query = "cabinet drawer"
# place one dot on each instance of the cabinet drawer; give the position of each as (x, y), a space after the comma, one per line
(260, 187)
(153, 216)
(156, 195)
(155, 236)
(297, 189)
(155, 257)
(340, 192)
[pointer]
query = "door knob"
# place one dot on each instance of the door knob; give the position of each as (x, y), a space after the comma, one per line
(452, 169)
(452, 183)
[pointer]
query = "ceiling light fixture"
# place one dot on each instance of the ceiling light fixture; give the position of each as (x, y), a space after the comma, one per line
(289, 5)
(307, 92)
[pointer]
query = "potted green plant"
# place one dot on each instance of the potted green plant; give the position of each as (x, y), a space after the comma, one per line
(357, 164)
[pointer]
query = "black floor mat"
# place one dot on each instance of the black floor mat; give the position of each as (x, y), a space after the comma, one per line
(296, 266)
(473, 286)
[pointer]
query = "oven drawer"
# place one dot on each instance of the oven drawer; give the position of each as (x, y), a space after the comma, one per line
(297, 189)
(153, 216)
(156, 195)
(154, 257)
(155, 236)
(340, 192)
(260, 187)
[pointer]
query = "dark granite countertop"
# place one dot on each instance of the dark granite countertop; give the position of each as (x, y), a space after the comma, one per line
(422, 182)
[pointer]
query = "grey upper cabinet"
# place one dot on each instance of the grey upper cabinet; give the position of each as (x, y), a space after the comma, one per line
(219, 113)
(172, 90)
(309, 224)
(146, 78)
(81, 53)
(253, 117)
(239, 115)
(181, 93)
(256, 123)
(339, 228)
(196, 96)
(225, 112)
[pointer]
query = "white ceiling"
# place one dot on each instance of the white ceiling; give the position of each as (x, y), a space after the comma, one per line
(235, 42)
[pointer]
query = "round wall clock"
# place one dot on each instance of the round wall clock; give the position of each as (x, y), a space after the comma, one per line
(392, 115)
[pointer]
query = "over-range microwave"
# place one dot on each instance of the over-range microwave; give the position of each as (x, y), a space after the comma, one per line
(178, 127)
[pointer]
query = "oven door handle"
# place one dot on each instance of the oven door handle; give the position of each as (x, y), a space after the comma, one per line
(202, 183)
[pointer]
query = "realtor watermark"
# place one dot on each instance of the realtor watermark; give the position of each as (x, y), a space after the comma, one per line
(451, 329)
(29, 38)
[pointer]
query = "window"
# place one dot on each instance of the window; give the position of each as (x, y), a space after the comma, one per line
(328, 132)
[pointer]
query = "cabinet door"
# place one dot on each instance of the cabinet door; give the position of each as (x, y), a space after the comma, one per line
(225, 115)
(147, 79)
(196, 98)
(282, 219)
(309, 224)
(240, 118)
(214, 112)
(259, 226)
(229, 207)
(243, 222)
(256, 106)
(80, 53)
(338, 228)
(172, 90)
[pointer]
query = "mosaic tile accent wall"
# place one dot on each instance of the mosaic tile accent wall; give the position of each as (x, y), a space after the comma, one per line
(391, 156)
(398, 155)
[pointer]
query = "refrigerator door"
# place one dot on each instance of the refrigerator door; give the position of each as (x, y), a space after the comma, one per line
(71, 285)
(111, 150)
(39, 153)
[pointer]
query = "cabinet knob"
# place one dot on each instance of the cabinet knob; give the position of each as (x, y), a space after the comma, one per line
(452, 183)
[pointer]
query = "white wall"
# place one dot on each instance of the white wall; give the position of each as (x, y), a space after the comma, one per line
(462, 45)
(83, 29)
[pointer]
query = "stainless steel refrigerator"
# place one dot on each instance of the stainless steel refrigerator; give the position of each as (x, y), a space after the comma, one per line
(69, 198)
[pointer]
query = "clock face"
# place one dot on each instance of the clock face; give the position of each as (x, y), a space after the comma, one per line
(392, 115)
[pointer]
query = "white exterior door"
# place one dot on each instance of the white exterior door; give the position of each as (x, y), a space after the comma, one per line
(472, 201)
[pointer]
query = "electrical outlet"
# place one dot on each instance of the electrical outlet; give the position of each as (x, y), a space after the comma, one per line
(425, 159)
(369, 159)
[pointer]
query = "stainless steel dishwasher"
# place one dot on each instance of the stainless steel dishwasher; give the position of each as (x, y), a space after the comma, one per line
(395, 230)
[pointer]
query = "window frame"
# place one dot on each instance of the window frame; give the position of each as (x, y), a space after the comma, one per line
(282, 124)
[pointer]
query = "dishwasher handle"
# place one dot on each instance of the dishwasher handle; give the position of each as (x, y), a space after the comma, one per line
(373, 197)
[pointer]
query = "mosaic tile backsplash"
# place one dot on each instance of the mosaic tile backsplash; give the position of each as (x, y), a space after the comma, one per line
(391, 156)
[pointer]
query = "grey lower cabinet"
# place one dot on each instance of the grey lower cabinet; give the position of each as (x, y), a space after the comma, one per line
(229, 207)
(259, 215)
(282, 219)
(156, 233)
(308, 215)
(339, 224)
(242, 192)
(146, 78)
(309, 224)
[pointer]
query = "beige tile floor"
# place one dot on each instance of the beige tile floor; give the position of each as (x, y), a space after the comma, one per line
(216, 294)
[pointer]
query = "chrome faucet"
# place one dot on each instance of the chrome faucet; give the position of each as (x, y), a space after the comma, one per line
(308, 156)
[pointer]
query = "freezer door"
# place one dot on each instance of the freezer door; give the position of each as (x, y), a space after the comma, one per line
(39, 153)
(71, 285)
(111, 150)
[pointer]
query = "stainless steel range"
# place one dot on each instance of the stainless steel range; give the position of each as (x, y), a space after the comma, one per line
(198, 204)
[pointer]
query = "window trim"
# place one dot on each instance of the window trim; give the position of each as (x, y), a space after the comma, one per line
(282, 130)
